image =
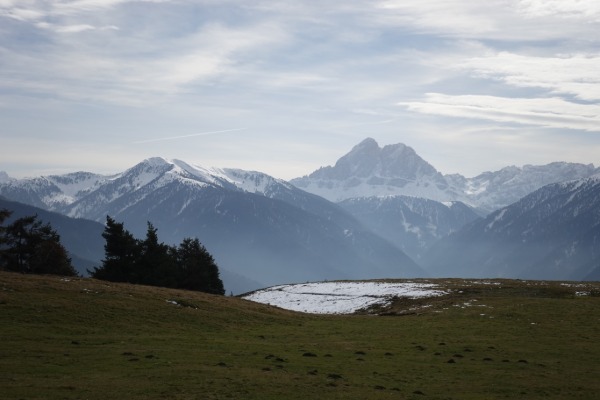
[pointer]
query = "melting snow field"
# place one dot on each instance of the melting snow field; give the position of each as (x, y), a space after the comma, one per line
(340, 297)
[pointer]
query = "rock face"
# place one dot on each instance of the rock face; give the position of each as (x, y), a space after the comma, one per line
(553, 233)
(259, 228)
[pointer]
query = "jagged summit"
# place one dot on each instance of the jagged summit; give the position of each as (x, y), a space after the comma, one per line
(369, 170)
(368, 160)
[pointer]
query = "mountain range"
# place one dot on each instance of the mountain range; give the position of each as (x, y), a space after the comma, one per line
(403, 198)
(371, 171)
(371, 215)
(264, 230)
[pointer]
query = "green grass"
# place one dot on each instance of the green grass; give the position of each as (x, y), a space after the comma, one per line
(87, 339)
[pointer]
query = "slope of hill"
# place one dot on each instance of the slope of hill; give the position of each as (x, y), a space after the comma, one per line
(256, 226)
(82, 338)
(553, 233)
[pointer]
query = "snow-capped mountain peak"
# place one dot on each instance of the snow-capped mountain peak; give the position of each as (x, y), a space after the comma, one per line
(368, 160)
(369, 170)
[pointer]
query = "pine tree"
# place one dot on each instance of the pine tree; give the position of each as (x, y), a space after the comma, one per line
(197, 268)
(50, 257)
(29, 246)
(121, 255)
(156, 266)
(4, 214)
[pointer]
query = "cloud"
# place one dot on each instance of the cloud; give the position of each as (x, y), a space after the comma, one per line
(86, 6)
(10, 10)
(569, 74)
(580, 9)
(73, 28)
(493, 19)
(134, 70)
(544, 112)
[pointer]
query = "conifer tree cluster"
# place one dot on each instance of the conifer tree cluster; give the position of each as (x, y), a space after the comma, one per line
(150, 262)
(31, 247)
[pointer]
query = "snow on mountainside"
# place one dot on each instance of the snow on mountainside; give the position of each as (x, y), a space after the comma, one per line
(492, 190)
(255, 182)
(53, 191)
(552, 233)
(70, 192)
(370, 171)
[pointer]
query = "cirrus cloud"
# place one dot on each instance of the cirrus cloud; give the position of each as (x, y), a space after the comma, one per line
(576, 75)
(545, 112)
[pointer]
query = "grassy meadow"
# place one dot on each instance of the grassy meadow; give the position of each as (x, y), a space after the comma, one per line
(87, 339)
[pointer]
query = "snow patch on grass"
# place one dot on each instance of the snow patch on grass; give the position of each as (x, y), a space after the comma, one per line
(340, 297)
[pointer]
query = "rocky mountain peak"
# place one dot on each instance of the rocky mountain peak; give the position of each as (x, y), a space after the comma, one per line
(368, 159)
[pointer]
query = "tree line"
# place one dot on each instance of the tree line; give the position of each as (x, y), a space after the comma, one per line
(150, 262)
(29, 246)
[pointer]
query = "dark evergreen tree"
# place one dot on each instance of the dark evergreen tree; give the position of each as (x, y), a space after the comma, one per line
(50, 257)
(156, 265)
(121, 255)
(29, 246)
(197, 268)
(4, 214)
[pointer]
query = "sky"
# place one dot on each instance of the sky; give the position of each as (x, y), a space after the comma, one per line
(287, 86)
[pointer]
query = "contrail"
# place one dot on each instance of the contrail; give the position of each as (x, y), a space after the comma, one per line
(387, 121)
(187, 136)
